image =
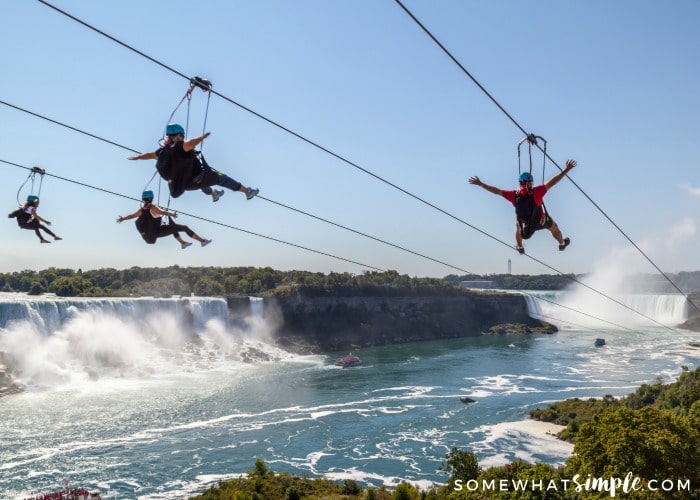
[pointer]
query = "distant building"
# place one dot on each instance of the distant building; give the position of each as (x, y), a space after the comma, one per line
(482, 284)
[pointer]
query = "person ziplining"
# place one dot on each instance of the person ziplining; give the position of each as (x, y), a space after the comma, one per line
(28, 218)
(528, 200)
(26, 215)
(150, 224)
(185, 169)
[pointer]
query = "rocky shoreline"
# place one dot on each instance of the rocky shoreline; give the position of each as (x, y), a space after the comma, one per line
(7, 385)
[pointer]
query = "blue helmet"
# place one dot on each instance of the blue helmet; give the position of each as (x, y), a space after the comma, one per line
(525, 176)
(147, 195)
(31, 198)
(174, 129)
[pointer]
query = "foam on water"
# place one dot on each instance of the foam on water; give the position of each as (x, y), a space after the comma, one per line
(521, 440)
(143, 412)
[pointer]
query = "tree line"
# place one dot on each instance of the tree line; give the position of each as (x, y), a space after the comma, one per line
(228, 281)
(641, 283)
(216, 282)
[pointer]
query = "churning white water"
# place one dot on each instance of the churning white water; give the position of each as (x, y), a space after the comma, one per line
(52, 342)
(584, 308)
(158, 399)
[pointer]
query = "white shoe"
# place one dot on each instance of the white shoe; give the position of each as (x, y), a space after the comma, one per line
(252, 193)
(185, 244)
(206, 242)
(217, 194)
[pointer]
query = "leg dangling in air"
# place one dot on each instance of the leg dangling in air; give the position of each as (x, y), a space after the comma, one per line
(234, 185)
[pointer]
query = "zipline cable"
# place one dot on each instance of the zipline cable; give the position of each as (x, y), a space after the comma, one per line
(364, 234)
(204, 219)
(344, 227)
(75, 129)
(304, 213)
(483, 89)
(114, 193)
(368, 172)
(68, 126)
(320, 252)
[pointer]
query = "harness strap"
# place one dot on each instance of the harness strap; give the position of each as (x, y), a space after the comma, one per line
(32, 175)
(532, 141)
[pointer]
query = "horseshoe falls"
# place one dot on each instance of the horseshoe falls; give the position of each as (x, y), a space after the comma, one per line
(584, 307)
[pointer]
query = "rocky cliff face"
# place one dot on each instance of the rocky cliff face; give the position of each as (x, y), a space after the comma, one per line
(338, 323)
(693, 322)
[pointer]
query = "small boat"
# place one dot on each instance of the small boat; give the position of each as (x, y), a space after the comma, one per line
(68, 494)
(348, 361)
(599, 342)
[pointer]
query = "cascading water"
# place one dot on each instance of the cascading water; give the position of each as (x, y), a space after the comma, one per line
(47, 313)
(257, 305)
(667, 309)
(51, 341)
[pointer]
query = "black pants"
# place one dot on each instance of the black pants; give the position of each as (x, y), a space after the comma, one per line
(174, 229)
(527, 230)
(35, 225)
(210, 177)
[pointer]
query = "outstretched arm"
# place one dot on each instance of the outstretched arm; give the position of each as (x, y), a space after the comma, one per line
(492, 189)
(156, 211)
(144, 156)
(130, 216)
(551, 182)
(190, 144)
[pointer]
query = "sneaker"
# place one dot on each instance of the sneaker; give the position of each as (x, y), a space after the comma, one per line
(521, 250)
(217, 194)
(185, 244)
(57, 238)
(252, 193)
(45, 241)
(567, 242)
(206, 242)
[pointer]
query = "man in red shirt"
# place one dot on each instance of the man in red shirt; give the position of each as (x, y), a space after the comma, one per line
(529, 209)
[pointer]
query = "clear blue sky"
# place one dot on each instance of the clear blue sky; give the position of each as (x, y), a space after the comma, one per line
(612, 84)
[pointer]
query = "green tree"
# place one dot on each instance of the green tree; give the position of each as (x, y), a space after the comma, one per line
(260, 470)
(207, 287)
(70, 286)
(36, 288)
(650, 443)
(405, 491)
(461, 465)
(351, 487)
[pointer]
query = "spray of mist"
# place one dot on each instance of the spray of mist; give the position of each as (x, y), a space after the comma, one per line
(95, 344)
(613, 276)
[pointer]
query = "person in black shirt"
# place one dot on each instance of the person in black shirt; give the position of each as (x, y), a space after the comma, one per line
(149, 222)
(186, 170)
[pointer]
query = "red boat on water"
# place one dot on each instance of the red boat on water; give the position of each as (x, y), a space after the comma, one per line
(68, 494)
(348, 361)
